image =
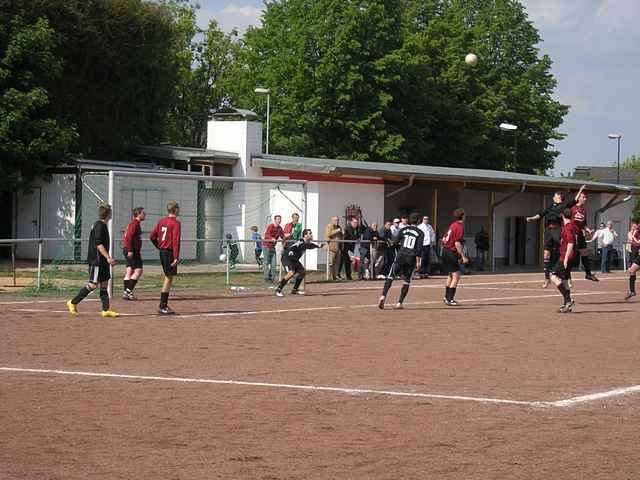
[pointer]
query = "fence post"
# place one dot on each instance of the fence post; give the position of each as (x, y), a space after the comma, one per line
(624, 257)
(39, 262)
(327, 262)
(228, 266)
(13, 263)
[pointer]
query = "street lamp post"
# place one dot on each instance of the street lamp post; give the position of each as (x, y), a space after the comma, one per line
(508, 127)
(618, 137)
(267, 92)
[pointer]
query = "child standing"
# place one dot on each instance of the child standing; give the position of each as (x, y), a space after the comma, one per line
(255, 236)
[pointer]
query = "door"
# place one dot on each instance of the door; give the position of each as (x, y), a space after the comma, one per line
(29, 222)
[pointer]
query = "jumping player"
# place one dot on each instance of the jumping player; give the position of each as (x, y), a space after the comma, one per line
(166, 238)
(452, 256)
(634, 241)
(579, 219)
(99, 261)
(553, 216)
(407, 260)
(568, 259)
(131, 246)
(291, 262)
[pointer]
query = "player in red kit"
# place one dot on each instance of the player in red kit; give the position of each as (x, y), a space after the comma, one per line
(568, 259)
(579, 219)
(452, 255)
(166, 238)
(634, 241)
(131, 247)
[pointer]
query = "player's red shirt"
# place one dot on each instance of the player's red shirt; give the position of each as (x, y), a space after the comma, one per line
(579, 216)
(569, 235)
(454, 234)
(166, 235)
(132, 240)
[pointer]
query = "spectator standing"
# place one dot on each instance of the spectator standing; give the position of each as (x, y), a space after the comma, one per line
(482, 247)
(608, 237)
(429, 239)
(293, 230)
(386, 238)
(333, 233)
(272, 234)
(255, 236)
(395, 226)
(370, 237)
(352, 234)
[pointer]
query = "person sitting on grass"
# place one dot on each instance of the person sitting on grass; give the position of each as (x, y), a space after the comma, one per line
(291, 262)
(100, 263)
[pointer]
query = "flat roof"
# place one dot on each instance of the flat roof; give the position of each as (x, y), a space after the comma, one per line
(186, 154)
(395, 172)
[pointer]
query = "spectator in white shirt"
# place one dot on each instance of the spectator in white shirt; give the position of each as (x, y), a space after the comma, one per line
(429, 239)
(605, 238)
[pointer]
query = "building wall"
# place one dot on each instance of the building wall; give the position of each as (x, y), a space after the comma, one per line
(47, 212)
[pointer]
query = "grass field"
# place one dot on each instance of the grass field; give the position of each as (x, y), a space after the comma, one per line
(247, 385)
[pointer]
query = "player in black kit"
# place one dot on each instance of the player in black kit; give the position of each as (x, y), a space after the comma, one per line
(291, 262)
(553, 217)
(407, 260)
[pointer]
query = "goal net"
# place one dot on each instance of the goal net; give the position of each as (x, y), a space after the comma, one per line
(216, 213)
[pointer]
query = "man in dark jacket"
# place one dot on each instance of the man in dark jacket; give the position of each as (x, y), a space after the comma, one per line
(353, 232)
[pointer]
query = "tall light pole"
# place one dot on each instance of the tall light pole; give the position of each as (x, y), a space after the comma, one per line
(508, 127)
(618, 137)
(267, 92)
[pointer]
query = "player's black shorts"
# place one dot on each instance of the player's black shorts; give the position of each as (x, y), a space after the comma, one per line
(291, 264)
(99, 273)
(581, 242)
(134, 262)
(561, 272)
(166, 258)
(552, 239)
(634, 256)
(403, 266)
(450, 262)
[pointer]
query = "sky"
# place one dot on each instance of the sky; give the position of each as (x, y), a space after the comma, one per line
(593, 44)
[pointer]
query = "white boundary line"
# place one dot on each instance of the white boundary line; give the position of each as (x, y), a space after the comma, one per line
(569, 402)
(312, 388)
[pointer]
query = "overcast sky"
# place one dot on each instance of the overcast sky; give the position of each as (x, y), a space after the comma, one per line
(593, 44)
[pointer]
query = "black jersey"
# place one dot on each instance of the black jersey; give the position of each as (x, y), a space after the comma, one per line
(553, 213)
(99, 236)
(410, 240)
(296, 249)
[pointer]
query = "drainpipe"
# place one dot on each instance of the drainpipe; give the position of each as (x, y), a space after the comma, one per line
(403, 188)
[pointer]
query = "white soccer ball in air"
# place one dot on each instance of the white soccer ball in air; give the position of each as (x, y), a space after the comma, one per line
(471, 59)
(223, 257)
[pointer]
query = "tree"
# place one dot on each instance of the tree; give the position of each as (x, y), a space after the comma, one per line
(386, 81)
(120, 65)
(32, 139)
(633, 162)
(205, 78)
(331, 67)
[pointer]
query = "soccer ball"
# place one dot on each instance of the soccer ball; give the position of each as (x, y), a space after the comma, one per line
(223, 257)
(471, 59)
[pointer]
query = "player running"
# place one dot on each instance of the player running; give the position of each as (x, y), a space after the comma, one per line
(407, 259)
(131, 246)
(567, 260)
(634, 241)
(579, 219)
(452, 256)
(100, 261)
(166, 238)
(291, 262)
(553, 216)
